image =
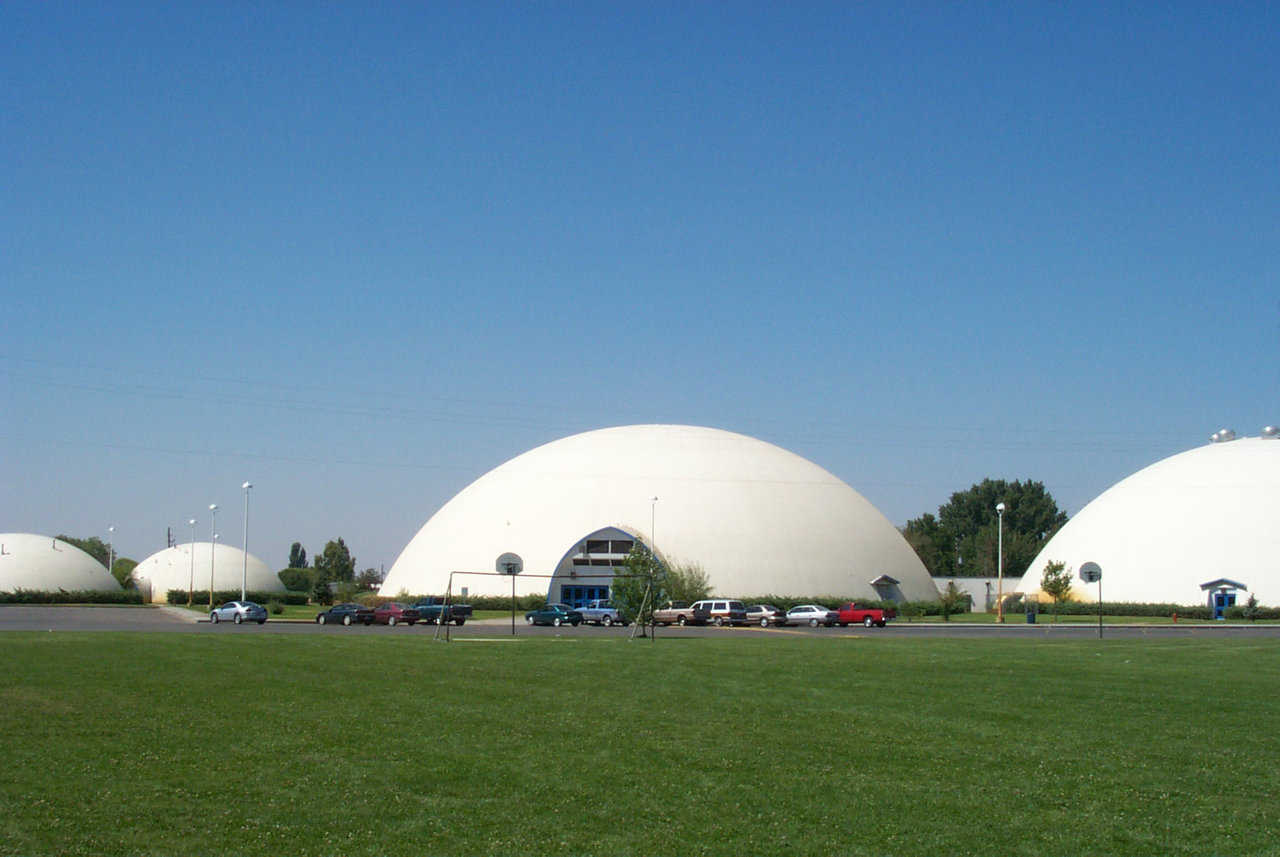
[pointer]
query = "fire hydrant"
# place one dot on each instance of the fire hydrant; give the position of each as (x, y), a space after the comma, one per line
(1175, 618)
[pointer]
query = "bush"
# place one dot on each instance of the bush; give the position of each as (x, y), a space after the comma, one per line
(295, 579)
(275, 608)
(62, 596)
(220, 596)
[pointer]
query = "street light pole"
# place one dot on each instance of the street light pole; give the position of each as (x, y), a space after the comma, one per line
(1000, 562)
(244, 568)
(110, 549)
(213, 538)
(191, 583)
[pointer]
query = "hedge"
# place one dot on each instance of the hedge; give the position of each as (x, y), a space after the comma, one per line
(62, 596)
(221, 596)
(1015, 604)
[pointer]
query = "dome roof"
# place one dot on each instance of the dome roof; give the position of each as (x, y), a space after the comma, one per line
(171, 569)
(1198, 516)
(44, 564)
(757, 518)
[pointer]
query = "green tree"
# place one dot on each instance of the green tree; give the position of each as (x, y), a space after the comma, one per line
(336, 562)
(1056, 583)
(962, 541)
(641, 575)
(296, 579)
(686, 582)
(320, 591)
(297, 556)
(122, 571)
(369, 579)
(953, 600)
(93, 546)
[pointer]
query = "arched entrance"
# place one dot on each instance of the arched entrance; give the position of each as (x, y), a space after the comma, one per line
(585, 573)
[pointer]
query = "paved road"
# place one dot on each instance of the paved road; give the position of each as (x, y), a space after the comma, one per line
(23, 617)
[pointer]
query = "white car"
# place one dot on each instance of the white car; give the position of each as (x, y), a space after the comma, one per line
(812, 615)
(238, 611)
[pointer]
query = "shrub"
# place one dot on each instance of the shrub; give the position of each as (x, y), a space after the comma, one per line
(220, 596)
(275, 608)
(62, 596)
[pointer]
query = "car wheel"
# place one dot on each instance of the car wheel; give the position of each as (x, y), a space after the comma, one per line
(607, 621)
(213, 617)
(346, 620)
(320, 619)
(764, 621)
(391, 621)
(556, 621)
(528, 620)
(868, 621)
(813, 623)
(460, 621)
(681, 621)
(262, 621)
(238, 619)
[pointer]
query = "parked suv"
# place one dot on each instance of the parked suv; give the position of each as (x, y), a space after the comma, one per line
(723, 611)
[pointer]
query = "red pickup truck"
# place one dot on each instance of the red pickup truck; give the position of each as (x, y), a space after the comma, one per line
(852, 614)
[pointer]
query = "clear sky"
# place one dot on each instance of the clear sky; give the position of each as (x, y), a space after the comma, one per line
(360, 254)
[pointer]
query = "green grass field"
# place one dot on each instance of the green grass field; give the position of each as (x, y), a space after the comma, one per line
(245, 743)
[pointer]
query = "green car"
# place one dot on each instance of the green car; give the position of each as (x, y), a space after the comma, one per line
(554, 614)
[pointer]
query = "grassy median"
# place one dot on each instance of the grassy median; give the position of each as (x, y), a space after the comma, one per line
(239, 743)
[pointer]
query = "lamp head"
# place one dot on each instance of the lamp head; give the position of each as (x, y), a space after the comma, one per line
(246, 486)
(1000, 508)
(191, 523)
(213, 507)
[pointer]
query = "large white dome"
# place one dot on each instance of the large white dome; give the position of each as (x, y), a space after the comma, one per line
(172, 569)
(1206, 514)
(756, 518)
(44, 564)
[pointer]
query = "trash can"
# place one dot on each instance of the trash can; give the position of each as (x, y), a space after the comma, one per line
(1031, 618)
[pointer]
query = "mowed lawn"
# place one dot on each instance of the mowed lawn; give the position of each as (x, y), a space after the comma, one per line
(247, 743)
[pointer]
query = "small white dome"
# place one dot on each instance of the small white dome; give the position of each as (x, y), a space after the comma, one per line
(1206, 514)
(172, 569)
(42, 563)
(758, 519)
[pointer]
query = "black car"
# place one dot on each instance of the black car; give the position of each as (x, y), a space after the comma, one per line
(346, 614)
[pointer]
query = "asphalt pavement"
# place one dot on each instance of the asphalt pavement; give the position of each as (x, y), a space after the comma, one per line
(55, 618)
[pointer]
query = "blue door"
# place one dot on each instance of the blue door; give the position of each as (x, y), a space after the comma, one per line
(1221, 601)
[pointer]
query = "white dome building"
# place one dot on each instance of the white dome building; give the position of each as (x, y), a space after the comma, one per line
(1195, 523)
(757, 518)
(44, 564)
(172, 569)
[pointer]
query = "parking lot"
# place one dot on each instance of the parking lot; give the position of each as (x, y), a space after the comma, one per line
(55, 618)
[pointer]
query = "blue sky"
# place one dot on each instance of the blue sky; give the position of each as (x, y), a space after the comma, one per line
(361, 254)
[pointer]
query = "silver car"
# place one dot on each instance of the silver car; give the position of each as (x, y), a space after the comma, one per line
(238, 611)
(812, 615)
(765, 615)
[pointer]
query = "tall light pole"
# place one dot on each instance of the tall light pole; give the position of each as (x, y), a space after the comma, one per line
(110, 549)
(191, 583)
(653, 506)
(1000, 562)
(213, 538)
(244, 568)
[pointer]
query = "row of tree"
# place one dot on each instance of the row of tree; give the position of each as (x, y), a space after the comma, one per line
(334, 565)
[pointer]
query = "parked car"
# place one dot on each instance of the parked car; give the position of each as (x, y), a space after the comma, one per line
(601, 612)
(853, 614)
(430, 610)
(812, 615)
(765, 615)
(394, 613)
(238, 611)
(723, 611)
(346, 614)
(554, 614)
(680, 613)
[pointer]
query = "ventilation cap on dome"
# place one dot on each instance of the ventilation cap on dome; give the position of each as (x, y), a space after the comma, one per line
(1270, 431)
(1222, 435)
